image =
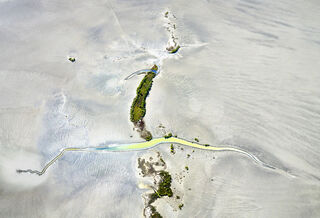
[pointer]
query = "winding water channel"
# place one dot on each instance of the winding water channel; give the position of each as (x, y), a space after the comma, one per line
(147, 145)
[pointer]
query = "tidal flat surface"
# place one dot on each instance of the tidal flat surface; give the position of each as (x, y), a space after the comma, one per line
(246, 75)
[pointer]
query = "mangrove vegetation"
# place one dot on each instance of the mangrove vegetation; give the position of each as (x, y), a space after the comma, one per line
(138, 107)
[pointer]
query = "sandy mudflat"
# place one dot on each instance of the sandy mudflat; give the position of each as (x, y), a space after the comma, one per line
(246, 75)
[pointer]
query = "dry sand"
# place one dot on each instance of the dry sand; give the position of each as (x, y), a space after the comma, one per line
(246, 75)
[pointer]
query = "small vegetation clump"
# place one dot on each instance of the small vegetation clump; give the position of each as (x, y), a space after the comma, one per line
(178, 197)
(165, 184)
(174, 50)
(154, 196)
(186, 167)
(168, 136)
(206, 145)
(162, 161)
(172, 149)
(72, 59)
(180, 206)
(188, 155)
(147, 136)
(196, 139)
(154, 214)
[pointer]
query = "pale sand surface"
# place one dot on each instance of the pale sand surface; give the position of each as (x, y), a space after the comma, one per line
(247, 74)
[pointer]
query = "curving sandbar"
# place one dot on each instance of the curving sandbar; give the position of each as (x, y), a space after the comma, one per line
(146, 145)
(139, 72)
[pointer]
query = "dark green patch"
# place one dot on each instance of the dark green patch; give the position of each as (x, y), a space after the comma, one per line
(172, 149)
(154, 214)
(175, 50)
(72, 59)
(147, 136)
(162, 161)
(168, 136)
(164, 188)
(154, 196)
(165, 184)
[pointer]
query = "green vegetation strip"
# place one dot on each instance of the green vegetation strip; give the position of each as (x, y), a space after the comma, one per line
(138, 107)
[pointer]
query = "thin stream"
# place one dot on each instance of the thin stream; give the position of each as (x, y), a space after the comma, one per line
(147, 145)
